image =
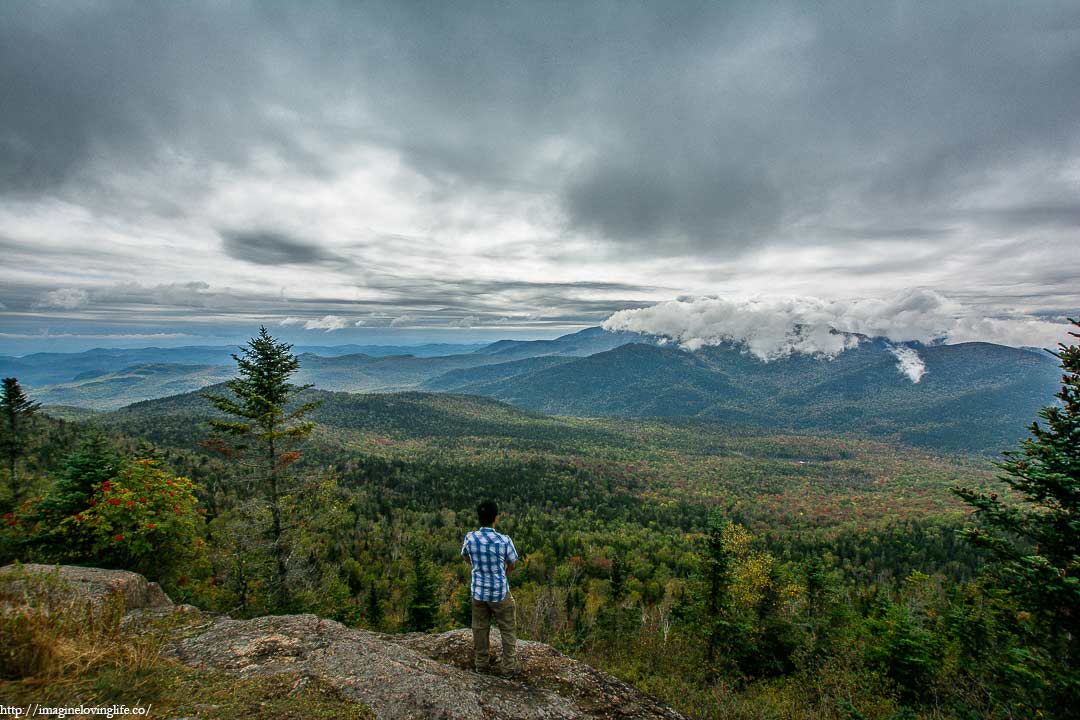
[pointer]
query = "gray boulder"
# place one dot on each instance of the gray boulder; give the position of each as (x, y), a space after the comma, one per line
(93, 586)
(400, 677)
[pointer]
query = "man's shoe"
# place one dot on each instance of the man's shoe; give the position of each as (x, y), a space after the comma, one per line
(491, 668)
(510, 673)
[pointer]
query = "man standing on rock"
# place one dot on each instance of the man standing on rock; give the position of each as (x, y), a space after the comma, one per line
(492, 556)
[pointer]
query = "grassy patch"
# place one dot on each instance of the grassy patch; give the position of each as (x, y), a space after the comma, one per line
(57, 651)
(175, 690)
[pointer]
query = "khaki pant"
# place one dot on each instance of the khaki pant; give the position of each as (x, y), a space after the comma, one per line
(503, 612)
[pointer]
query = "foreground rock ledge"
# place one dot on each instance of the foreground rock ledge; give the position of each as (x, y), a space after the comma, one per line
(398, 677)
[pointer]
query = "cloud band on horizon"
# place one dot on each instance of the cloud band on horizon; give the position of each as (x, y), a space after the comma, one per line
(771, 327)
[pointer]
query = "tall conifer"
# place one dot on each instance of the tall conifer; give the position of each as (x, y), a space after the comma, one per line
(16, 411)
(266, 422)
(1034, 531)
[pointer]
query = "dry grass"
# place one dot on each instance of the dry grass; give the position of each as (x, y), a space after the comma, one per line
(47, 635)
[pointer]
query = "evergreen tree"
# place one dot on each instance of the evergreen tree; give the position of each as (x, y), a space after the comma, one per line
(464, 608)
(714, 594)
(1034, 535)
(16, 411)
(374, 608)
(423, 604)
(618, 578)
(267, 424)
(92, 463)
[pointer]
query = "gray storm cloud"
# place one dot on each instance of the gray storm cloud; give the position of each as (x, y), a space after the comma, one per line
(500, 158)
(271, 248)
(776, 327)
(665, 126)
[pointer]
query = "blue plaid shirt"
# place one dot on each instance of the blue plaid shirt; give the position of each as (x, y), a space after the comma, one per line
(489, 552)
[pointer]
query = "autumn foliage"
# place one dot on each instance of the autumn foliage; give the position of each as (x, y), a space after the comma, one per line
(141, 518)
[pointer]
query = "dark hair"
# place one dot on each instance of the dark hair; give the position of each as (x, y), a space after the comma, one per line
(487, 511)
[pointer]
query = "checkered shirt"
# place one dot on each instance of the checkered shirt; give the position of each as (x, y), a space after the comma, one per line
(489, 552)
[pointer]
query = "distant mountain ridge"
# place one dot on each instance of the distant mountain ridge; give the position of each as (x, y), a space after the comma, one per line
(107, 378)
(974, 397)
(105, 390)
(46, 368)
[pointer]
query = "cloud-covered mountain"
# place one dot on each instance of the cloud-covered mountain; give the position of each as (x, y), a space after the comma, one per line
(973, 397)
(771, 327)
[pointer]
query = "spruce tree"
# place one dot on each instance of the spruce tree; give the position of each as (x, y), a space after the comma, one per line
(618, 578)
(266, 424)
(1034, 533)
(423, 604)
(374, 607)
(16, 411)
(714, 589)
(93, 462)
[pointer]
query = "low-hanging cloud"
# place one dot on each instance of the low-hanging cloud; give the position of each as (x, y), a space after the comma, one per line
(771, 328)
(909, 362)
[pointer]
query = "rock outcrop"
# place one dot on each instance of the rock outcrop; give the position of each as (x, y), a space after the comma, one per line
(94, 586)
(399, 677)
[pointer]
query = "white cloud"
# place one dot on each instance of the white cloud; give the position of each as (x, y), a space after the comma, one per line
(402, 320)
(465, 322)
(909, 362)
(775, 327)
(1019, 331)
(329, 323)
(65, 299)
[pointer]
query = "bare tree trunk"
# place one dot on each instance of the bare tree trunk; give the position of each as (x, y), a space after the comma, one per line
(12, 458)
(16, 491)
(278, 549)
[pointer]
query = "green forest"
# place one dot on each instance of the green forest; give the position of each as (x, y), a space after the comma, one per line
(732, 572)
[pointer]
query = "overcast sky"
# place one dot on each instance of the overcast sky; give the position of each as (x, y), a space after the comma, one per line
(180, 172)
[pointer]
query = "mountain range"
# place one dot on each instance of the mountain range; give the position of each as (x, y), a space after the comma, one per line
(106, 379)
(972, 397)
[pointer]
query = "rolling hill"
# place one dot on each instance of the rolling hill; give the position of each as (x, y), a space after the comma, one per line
(699, 461)
(103, 390)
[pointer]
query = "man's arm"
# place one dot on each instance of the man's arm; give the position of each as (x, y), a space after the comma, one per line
(511, 558)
